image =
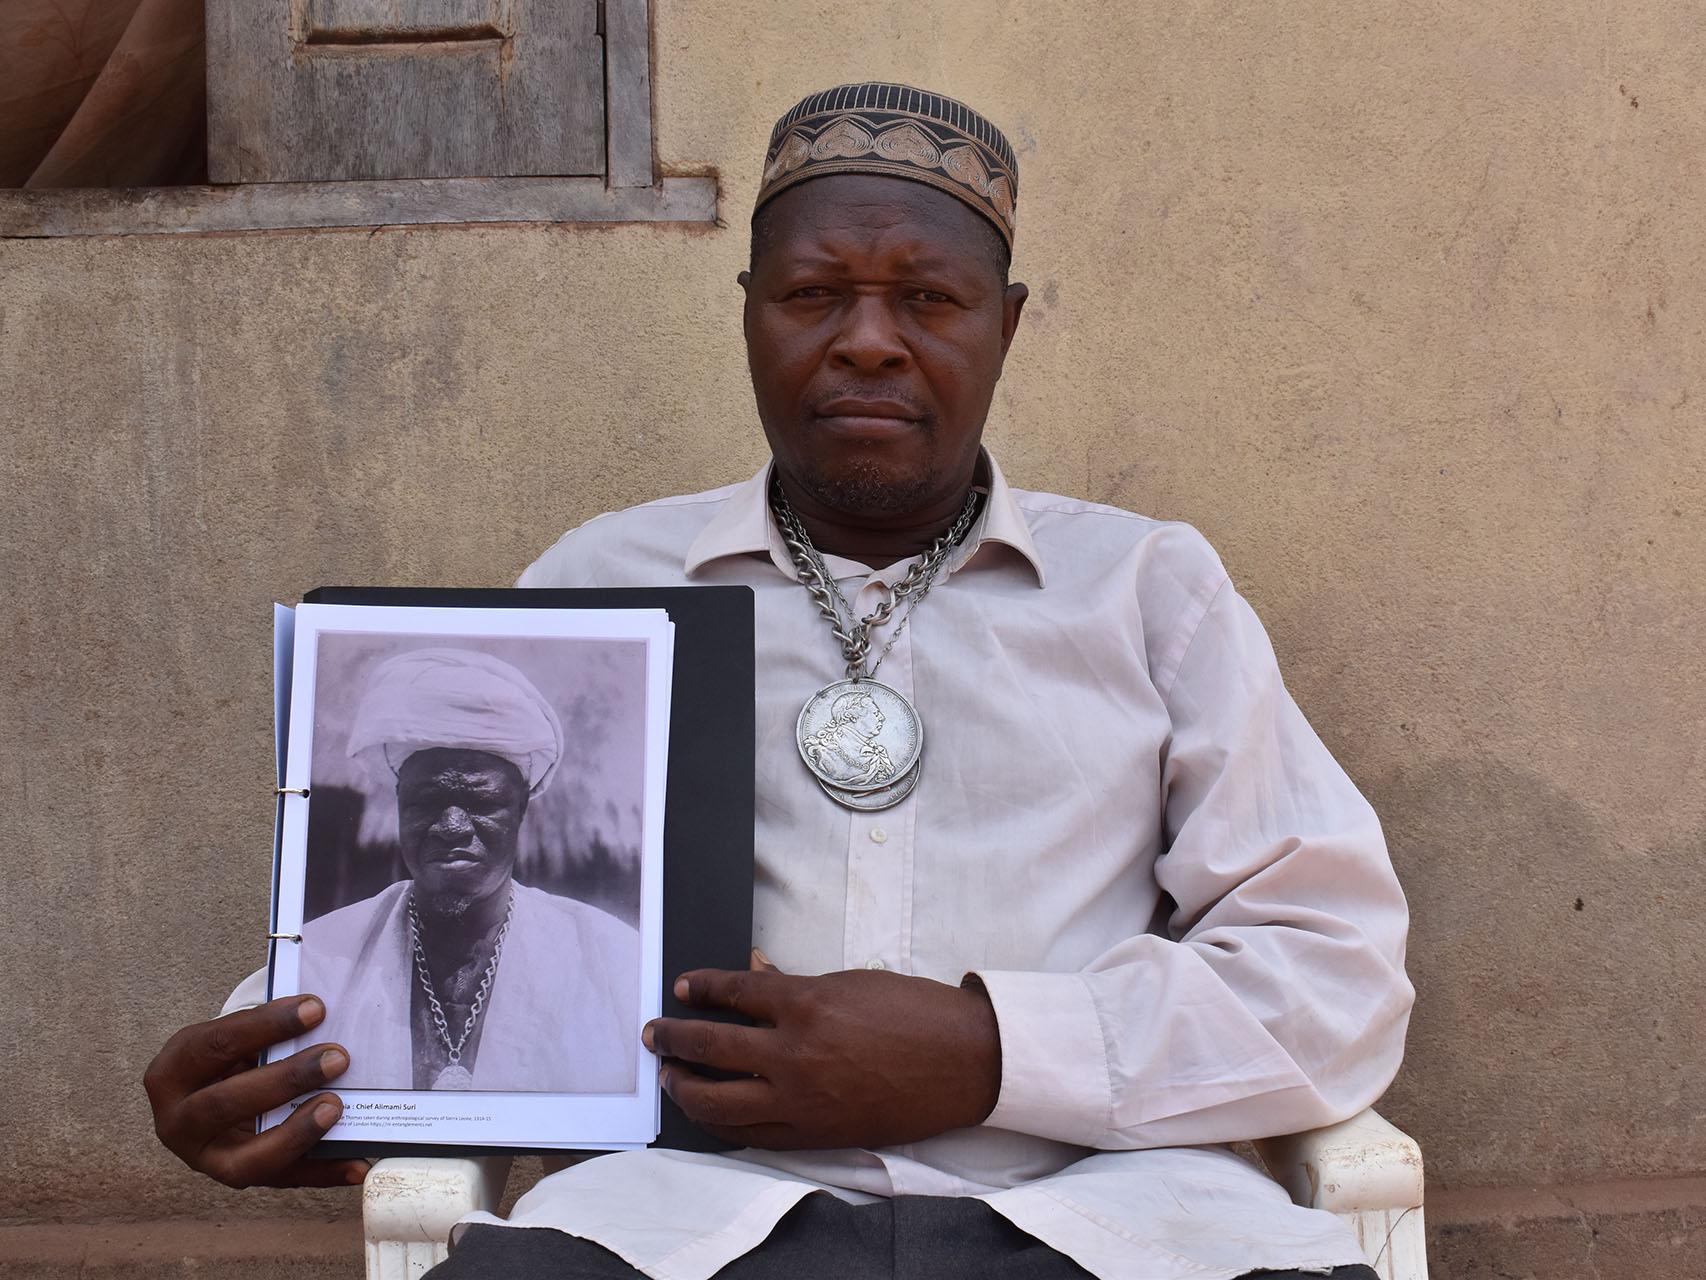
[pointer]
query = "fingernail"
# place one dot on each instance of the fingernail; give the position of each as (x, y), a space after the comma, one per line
(646, 1037)
(681, 988)
(333, 1062)
(663, 1078)
(310, 1012)
(326, 1114)
(762, 959)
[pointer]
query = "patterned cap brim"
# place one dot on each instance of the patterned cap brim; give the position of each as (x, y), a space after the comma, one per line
(901, 132)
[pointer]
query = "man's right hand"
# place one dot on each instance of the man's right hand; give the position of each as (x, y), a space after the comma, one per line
(206, 1093)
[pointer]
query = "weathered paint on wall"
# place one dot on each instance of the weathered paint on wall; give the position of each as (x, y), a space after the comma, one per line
(1403, 305)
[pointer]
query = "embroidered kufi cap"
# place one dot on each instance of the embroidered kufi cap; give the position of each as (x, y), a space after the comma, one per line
(901, 132)
(462, 698)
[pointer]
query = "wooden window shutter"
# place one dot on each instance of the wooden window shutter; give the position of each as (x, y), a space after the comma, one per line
(338, 90)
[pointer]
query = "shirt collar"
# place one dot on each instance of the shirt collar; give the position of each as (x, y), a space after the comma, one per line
(744, 526)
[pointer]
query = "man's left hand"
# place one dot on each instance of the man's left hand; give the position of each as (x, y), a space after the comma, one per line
(862, 1058)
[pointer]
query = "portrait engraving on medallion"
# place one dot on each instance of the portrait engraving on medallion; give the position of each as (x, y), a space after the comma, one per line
(859, 735)
(885, 797)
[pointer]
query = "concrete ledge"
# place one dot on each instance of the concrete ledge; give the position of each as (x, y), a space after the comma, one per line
(173, 1250)
(1653, 1229)
(277, 206)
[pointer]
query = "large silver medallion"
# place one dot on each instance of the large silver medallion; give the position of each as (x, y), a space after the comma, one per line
(882, 798)
(859, 736)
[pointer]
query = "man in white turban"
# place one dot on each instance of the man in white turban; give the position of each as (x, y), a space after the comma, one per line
(458, 977)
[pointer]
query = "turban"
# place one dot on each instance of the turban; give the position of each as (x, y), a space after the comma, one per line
(456, 698)
(900, 132)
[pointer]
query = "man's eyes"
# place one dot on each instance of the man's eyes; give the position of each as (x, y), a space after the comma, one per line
(473, 808)
(821, 293)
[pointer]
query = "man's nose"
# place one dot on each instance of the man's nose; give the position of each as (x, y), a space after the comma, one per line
(453, 821)
(869, 340)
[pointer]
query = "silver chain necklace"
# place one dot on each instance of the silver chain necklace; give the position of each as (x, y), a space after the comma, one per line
(861, 739)
(456, 1076)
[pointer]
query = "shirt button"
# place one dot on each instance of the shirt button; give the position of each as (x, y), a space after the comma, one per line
(879, 836)
(875, 964)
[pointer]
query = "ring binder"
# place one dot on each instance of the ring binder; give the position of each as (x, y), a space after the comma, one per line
(293, 791)
(286, 937)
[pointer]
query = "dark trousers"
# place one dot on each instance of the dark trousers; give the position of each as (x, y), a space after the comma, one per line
(907, 1238)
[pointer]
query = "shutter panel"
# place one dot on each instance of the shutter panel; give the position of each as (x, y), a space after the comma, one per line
(334, 90)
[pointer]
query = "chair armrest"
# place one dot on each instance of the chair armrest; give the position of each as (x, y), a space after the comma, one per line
(409, 1204)
(1358, 1165)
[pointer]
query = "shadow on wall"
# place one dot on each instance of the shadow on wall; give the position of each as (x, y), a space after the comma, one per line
(342, 868)
(1556, 977)
(102, 93)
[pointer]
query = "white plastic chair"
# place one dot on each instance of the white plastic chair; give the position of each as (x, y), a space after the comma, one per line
(1364, 1170)
(409, 1204)
(1369, 1173)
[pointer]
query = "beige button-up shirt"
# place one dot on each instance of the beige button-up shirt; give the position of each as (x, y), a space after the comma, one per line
(1181, 907)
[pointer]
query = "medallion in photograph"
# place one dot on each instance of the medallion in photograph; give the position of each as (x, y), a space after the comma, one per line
(455, 1075)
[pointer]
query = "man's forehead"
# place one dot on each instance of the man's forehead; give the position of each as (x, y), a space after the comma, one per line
(455, 766)
(879, 212)
(817, 221)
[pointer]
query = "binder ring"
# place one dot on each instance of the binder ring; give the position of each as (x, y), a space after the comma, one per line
(293, 791)
(286, 937)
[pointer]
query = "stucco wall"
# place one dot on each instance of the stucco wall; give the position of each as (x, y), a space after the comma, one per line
(1402, 304)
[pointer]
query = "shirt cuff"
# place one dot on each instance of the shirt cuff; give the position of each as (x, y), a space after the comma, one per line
(1054, 1063)
(250, 992)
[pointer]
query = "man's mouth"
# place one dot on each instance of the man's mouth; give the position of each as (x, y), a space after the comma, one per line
(858, 413)
(454, 859)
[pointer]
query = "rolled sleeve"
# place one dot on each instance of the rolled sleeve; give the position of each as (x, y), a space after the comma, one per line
(1276, 1001)
(251, 991)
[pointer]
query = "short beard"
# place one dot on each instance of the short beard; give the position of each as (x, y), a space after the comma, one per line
(868, 489)
(443, 908)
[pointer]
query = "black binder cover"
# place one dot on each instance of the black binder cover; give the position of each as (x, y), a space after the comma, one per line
(707, 839)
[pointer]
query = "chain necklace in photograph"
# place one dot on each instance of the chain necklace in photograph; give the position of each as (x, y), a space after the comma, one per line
(863, 740)
(456, 1076)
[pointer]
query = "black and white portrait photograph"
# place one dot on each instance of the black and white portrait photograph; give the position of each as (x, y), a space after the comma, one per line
(473, 868)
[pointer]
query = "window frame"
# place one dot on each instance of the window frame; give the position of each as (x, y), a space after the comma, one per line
(631, 190)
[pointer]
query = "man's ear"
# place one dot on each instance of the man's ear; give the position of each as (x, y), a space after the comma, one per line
(744, 279)
(1012, 306)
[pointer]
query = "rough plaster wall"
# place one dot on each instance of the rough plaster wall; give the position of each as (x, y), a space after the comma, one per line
(1402, 304)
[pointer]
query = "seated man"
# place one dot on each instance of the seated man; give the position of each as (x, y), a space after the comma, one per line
(1121, 905)
(458, 977)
